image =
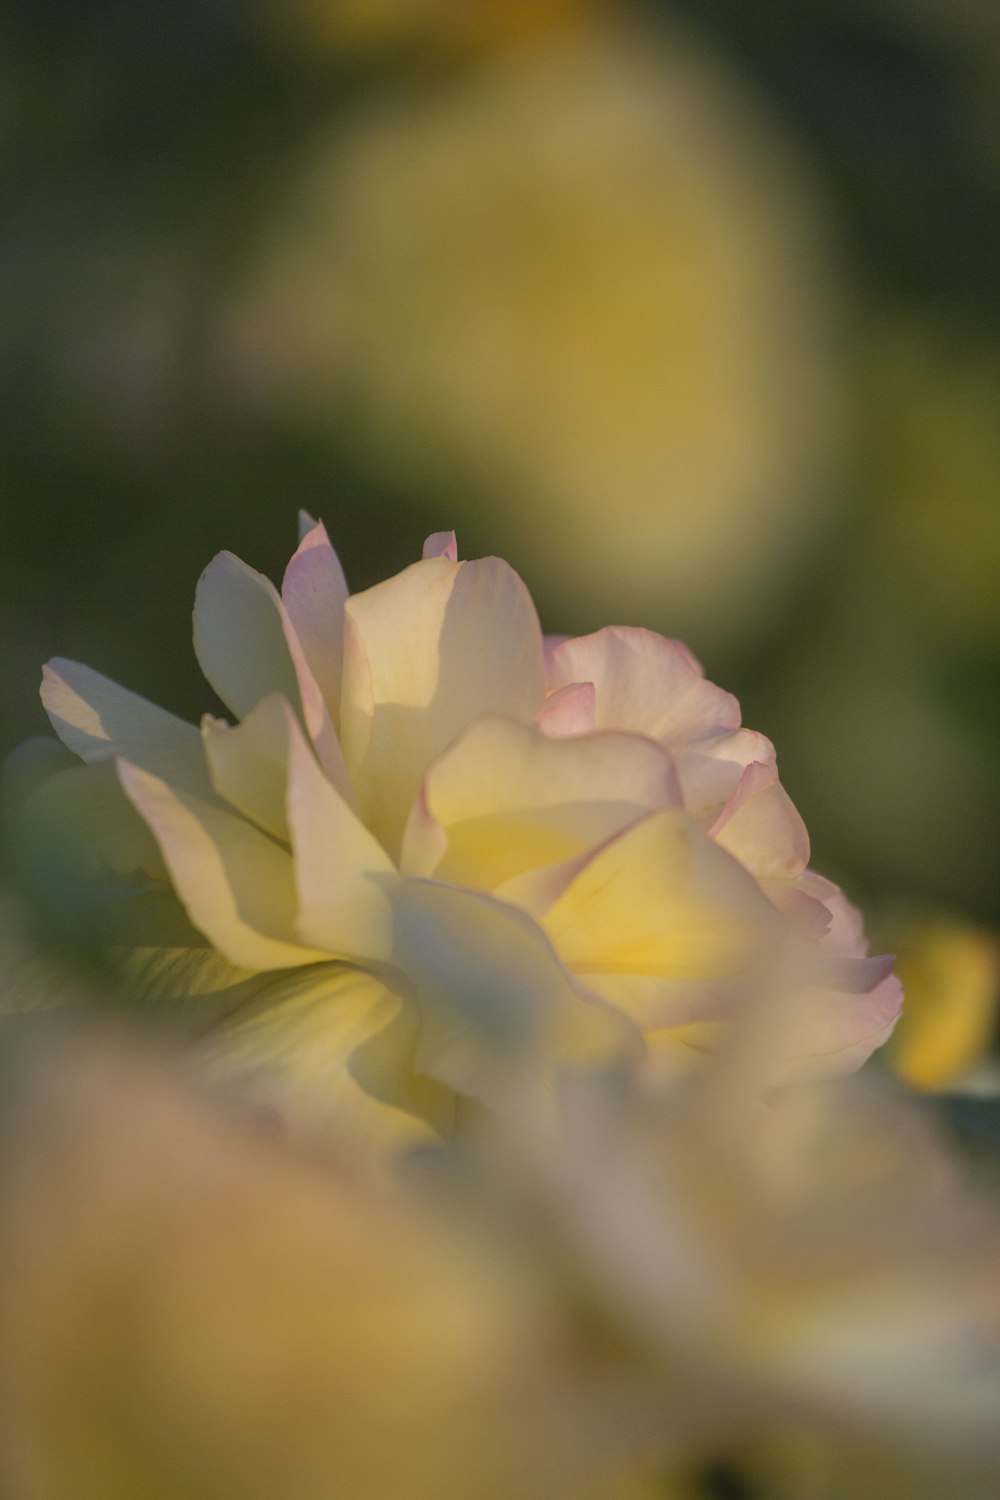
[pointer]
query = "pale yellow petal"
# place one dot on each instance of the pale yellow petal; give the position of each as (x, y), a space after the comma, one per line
(333, 1050)
(501, 1015)
(342, 873)
(427, 652)
(761, 826)
(236, 884)
(511, 799)
(247, 647)
(660, 900)
(248, 763)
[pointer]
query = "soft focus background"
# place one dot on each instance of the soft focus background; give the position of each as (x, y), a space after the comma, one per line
(689, 310)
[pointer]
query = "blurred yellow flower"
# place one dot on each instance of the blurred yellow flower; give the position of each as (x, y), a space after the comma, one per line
(813, 1274)
(190, 1310)
(366, 26)
(433, 847)
(951, 970)
(584, 285)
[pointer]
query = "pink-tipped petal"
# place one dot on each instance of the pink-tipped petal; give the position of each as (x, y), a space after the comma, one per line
(846, 1027)
(247, 647)
(314, 591)
(761, 827)
(644, 683)
(569, 711)
(710, 767)
(441, 544)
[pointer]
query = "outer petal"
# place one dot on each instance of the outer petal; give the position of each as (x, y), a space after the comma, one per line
(247, 647)
(314, 591)
(761, 827)
(89, 804)
(501, 1015)
(510, 799)
(46, 791)
(265, 769)
(164, 964)
(853, 1001)
(441, 544)
(98, 720)
(332, 1050)
(644, 683)
(427, 652)
(710, 767)
(236, 884)
(842, 1027)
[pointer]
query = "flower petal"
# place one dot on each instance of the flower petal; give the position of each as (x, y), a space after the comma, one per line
(431, 650)
(265, 768)
(761, 827)
(333, 1050)
(511, 799)
(845, 1026)
(88, 803)
(342, 873)
(661, 900)
(98, 720)
(644, 683)
(710, 767)
(501, 1015)
(441, 544)
(570, 710)
(247, 647)
(314, 591)
(248, 763)
(235, 883)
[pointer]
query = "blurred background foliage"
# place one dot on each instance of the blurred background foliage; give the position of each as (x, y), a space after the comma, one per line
(690, 310)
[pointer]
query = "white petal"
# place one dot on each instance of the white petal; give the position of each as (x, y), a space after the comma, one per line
(98, 720)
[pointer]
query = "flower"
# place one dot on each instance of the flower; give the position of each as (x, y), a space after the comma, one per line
(193, 1307)
(437, 858)
(952, 971)
(815, 1276)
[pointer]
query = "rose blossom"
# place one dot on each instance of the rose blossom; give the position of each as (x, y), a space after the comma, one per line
(431, 843)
